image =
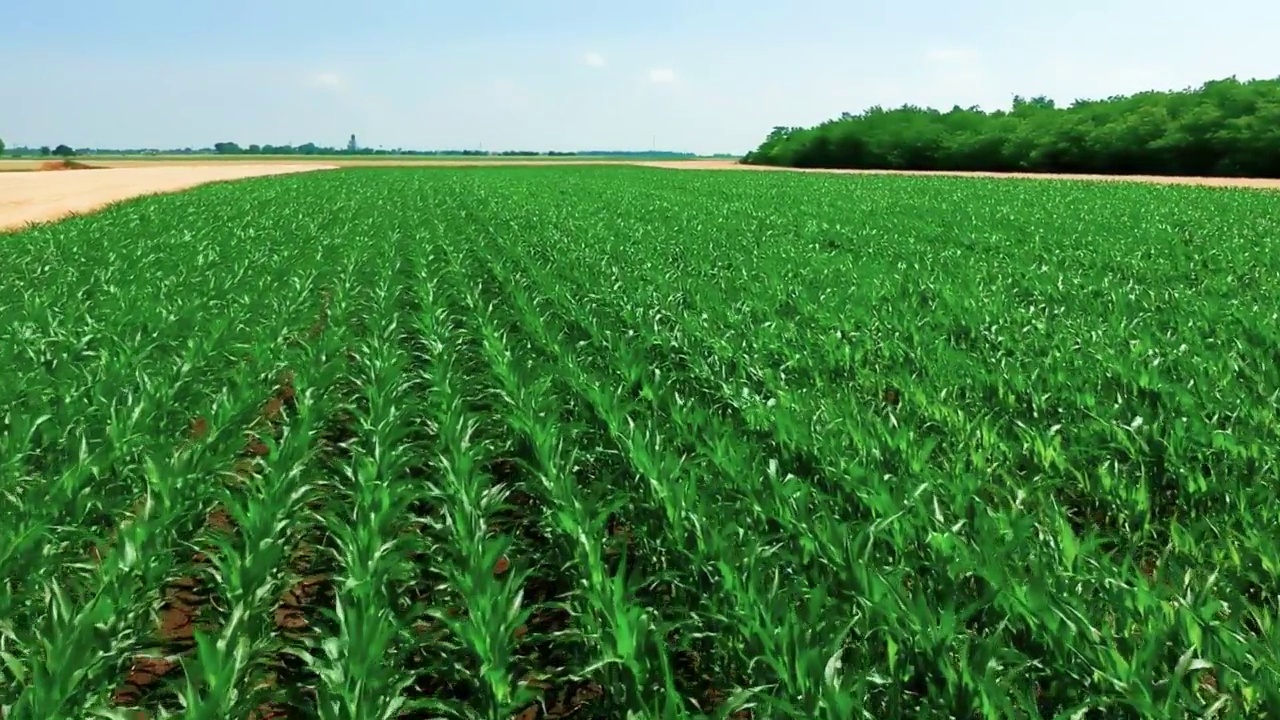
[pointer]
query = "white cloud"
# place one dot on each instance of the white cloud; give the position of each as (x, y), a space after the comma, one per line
(326, 81)
(594, 59)
(662, 76)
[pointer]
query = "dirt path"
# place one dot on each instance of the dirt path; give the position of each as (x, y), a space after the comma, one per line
(1268, 183)
(32, 197)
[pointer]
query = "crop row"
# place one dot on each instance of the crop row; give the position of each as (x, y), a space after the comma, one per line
(618, 442)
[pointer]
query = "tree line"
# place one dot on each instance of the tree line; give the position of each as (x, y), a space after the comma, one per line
(63, 151)
(312, 149)
(231, 148)
(1224, 127)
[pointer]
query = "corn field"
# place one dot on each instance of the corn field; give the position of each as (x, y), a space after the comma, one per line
(609, 442)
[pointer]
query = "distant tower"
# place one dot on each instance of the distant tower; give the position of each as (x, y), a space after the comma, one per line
(351, 144)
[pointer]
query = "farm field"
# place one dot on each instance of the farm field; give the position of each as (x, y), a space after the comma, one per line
(27, 196)
(32, 197)
(611, 442)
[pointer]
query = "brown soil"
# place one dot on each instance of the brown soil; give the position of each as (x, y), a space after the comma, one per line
(64, 165)
(185, 598)
(33, 197)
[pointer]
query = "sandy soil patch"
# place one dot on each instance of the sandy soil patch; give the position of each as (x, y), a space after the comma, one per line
(33, 197)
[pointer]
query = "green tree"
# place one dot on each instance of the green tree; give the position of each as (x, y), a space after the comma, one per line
(1, 146)
(1224, 127)
(64, 151)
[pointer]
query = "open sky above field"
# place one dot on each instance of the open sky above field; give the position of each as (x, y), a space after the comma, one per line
(707, 76)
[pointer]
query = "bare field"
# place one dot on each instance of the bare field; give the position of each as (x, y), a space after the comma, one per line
(33, 197)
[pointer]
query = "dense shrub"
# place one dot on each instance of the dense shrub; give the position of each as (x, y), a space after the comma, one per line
(1225, 127)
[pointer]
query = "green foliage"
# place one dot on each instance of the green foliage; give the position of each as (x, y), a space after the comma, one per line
(64, 151)
(1, 146)
(1225, 127)
(647, 444)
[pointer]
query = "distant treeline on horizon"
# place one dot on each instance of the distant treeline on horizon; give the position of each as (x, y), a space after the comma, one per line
(231, 148)
(1222, 128)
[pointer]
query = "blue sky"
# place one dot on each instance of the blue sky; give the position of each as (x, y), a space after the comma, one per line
(692, 75)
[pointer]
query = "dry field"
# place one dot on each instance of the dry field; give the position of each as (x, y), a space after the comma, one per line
(32, 197)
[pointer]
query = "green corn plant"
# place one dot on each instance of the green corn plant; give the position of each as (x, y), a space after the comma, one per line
(774, 445)
(361, 668)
